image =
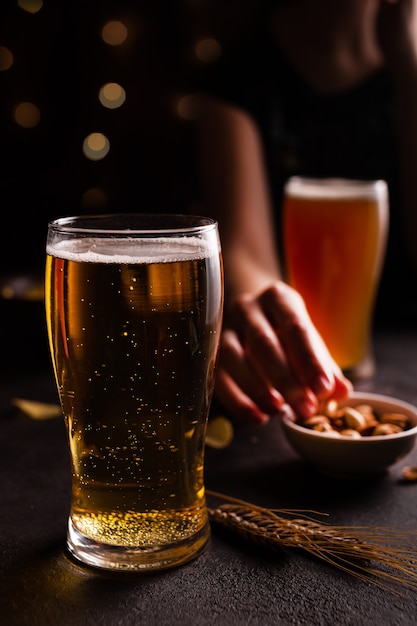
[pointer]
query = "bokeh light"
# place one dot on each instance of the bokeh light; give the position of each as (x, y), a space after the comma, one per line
(114, 33)
(208, 50)
(94, 198)
(26, 114)
(112, 95)
(96, 146)
(126, 70)
(6, 58)
(31, 6)
(187, 107)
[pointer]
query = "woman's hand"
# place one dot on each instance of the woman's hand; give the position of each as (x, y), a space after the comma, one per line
(271, 355)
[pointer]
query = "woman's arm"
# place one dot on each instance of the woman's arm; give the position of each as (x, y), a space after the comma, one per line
(270, 351)
(237, 195)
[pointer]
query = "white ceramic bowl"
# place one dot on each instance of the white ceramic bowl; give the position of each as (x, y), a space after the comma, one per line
(348, 457)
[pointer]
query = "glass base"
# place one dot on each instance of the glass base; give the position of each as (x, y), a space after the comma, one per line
(117, 558)
(365, 369)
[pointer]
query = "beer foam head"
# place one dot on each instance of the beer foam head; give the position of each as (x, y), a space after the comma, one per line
(132, 250)
(335, 188)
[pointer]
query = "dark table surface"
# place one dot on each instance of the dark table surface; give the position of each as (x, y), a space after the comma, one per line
(231, 582)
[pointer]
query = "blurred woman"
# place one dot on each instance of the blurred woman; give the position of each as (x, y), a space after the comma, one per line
(318, 88)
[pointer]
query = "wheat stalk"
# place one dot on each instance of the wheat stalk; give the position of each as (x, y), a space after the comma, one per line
(378, 555)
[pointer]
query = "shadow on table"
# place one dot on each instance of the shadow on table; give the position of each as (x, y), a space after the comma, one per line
(49, 585)
(261, 467)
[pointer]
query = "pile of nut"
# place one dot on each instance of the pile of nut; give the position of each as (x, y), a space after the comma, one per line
(358, 421)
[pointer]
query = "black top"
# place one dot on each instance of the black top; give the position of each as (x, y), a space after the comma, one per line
(349, 134)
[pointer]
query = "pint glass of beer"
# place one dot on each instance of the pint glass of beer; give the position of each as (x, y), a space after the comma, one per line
(334, 234)
(134, 310)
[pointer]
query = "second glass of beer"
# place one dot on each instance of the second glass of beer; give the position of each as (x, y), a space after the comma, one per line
(335, 233)
(134, 311)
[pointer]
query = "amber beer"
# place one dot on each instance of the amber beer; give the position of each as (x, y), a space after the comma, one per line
(134, 327)
(334, 233)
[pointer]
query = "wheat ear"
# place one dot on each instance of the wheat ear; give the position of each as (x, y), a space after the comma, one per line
(378, 555)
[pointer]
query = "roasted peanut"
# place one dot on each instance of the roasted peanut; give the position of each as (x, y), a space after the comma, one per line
(410, 473)
(395, 418)
(365, 409)
(354, 419)
(386, 429)
(316, 422)
(350, 432)
(331, 408)
(358, 421)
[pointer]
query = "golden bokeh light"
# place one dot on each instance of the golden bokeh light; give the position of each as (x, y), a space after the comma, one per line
(6, 58)
(208, 50)
(26, 114)
(96, 146)
(114, 33)
(31, 6)
(187, 107)
(112, 95)
(94, 198)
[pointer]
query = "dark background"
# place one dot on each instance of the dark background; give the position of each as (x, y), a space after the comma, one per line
(60, 62)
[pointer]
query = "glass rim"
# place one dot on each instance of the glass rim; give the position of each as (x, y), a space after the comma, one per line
(335, 187)
(124, 223)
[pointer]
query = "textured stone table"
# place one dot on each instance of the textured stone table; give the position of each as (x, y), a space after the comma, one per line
(232, 582)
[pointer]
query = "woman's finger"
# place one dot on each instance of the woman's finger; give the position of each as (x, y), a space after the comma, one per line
(306, 352)
(265, 354)
(233, 360)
